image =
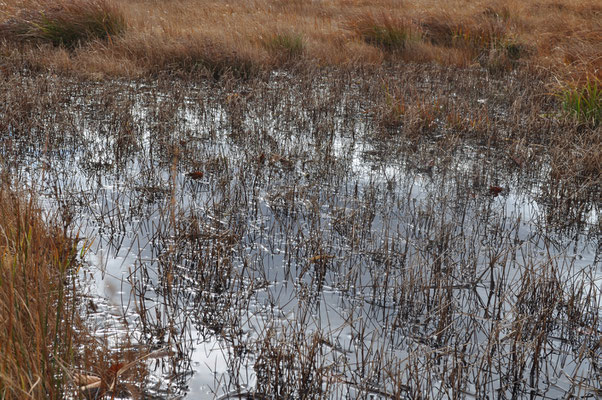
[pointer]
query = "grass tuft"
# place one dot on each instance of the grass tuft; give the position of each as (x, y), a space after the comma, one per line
(383, 31)
(583, 102)
(475, 35)
(287, 45)
(35, 310)
(64, 23)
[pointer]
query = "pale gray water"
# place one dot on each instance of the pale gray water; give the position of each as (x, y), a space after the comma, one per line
(306, 229)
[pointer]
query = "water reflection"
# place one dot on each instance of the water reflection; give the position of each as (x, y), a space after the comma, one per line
(312, 258)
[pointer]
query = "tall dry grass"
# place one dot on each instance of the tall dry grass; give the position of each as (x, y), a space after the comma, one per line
(35, 310)
(190, 35)
(62, 23)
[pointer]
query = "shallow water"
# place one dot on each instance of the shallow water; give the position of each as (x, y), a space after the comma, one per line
(313, 257)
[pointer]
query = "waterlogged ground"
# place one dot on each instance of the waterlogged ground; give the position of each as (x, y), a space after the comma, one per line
(272, 239)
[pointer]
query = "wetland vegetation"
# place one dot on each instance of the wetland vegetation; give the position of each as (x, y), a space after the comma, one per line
(304, 200)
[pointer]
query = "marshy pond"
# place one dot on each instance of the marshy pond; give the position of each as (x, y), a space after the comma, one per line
(270, 239)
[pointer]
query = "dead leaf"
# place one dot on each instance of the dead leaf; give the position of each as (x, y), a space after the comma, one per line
(114, 368)
(495, 190)
(320, 258)
(195, 175)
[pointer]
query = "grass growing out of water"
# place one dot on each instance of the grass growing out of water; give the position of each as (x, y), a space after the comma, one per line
(426, 299)
(67, 23)
(468, 304)
(35, 313)
(584, 103)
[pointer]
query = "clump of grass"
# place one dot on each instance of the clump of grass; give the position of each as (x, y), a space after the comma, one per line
(64, 23)
(477, 35)
(487, 39)
(198, 54)
(292, 368)
(287, 45)
(583, 102)
(513, 48)
(383, 31)
(410, 113)
(35, 310)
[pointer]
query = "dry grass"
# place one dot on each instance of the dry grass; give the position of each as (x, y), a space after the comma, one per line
(47, 350)
(481, 73)
(63, 23)
(35, 312)
(239, 35)
(383, 31)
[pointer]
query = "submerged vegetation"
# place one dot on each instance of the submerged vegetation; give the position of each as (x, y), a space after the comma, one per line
(305, 247)
(288, 199)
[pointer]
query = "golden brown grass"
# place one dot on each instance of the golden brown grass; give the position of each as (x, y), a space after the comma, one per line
(63, 23)
(190, 35)
(35, 313)
(47, 350)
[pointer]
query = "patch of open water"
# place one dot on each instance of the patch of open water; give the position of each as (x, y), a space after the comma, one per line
(278, 244)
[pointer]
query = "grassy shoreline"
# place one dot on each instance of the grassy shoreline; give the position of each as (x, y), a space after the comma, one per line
(100, 39)
(36, 317)
(135, 38)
